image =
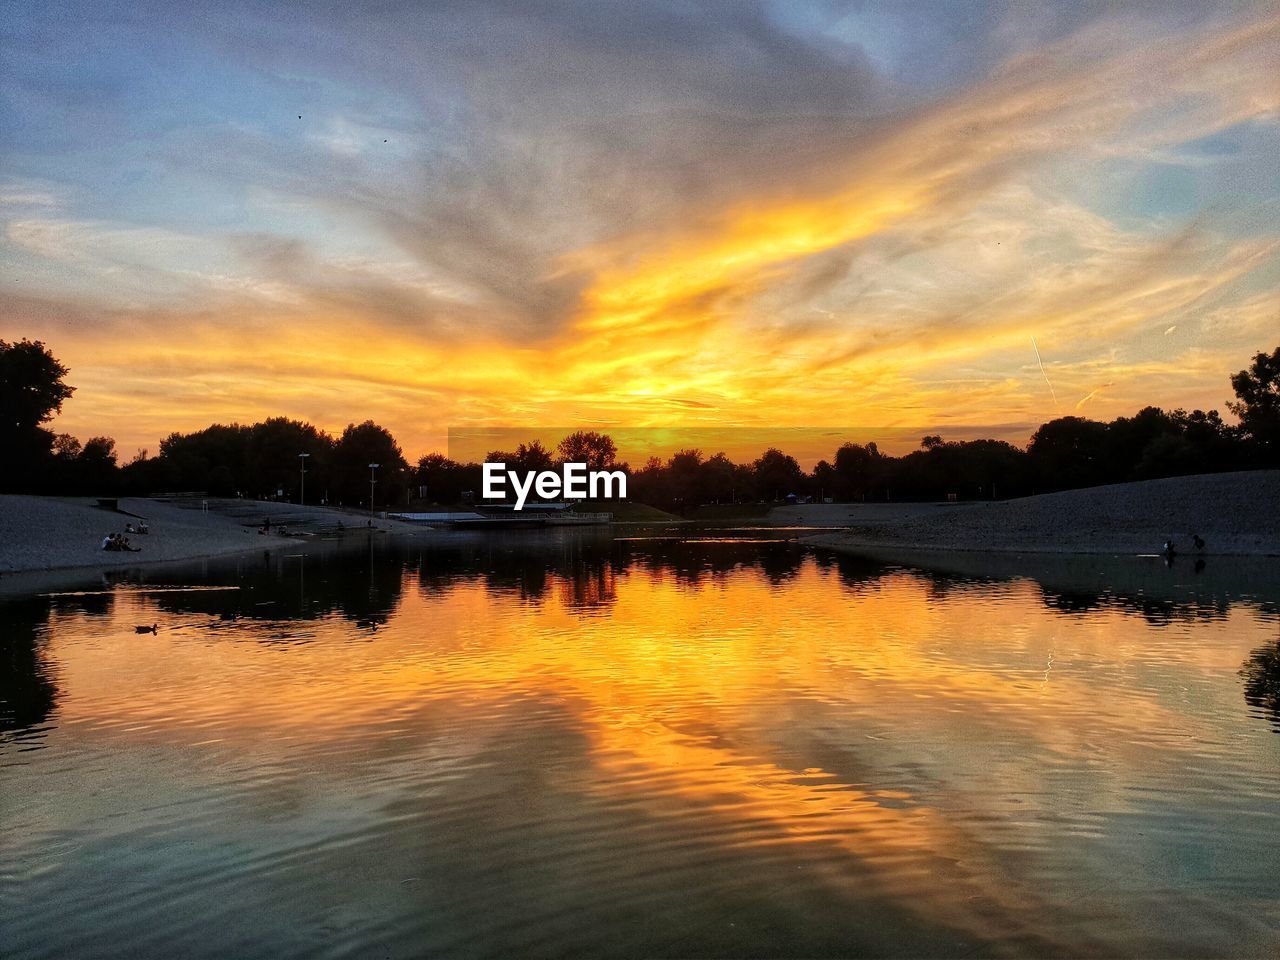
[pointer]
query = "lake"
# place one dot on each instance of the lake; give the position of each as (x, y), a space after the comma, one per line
(650, 743)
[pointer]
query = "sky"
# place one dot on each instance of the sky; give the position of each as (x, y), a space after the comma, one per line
(967, 218)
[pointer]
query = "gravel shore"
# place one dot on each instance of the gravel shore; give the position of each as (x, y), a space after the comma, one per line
(1237, 514)
(55, 533)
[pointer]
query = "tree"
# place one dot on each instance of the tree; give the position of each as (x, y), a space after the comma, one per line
(192, 459)
(97, 464)
(1257, 389)
(31, 394)
(1067, 453)
(31, 385)
(596, 450)
(858, 470)
(719, 479)
(1168, 455)
(531, 456)
(271, 457)
(446, 480)
(359, 446)
(649, 484)
(777, 474)
(1124, 447)
(684, 476)
(824, 478)
(145, 475)
(66, 447)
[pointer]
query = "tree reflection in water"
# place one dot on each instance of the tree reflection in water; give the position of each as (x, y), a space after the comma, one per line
(28, 694)
(28, 685)
(364, 579)
(1261, 675)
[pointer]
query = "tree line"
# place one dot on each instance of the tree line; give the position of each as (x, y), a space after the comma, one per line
(267, 460)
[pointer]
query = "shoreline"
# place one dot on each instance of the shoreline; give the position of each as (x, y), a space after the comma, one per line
(1236, 515)
(868, 546)
(42, 537)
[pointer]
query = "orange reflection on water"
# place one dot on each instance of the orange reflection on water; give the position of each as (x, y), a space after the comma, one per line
(793, 713)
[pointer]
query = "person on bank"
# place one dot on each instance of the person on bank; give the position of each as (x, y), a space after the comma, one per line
(118, 542)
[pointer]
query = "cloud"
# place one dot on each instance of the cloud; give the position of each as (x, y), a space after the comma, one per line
(637, 211)
(1090, 395)
(30, 194)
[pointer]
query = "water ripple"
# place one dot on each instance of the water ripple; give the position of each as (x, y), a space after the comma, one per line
(650, 746)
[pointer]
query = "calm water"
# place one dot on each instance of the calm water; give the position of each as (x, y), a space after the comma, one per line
(579, 746)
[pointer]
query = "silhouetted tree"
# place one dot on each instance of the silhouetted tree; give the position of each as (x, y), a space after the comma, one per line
(96, 465)
(858, 470)
(596, 450)
(720, 481)
(649, 484)
(684, 473)
(777, 474)
(824, 478)
(966, 469)
(66, 447)
(31, 385)
(214, 459)
(531, 456)
(1123, 445)
(359, 446)
(271, 457)
(445, 480)
(261, 460)
(1257, 390)
(1067, 453)
(32, 391)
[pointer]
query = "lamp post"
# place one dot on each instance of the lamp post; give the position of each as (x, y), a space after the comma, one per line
(372, 478)
(302, 488)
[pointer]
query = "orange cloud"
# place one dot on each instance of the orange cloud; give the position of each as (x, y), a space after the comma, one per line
(898, 284)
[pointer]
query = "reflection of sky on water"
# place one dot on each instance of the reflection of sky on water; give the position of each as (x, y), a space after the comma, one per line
(537, 743)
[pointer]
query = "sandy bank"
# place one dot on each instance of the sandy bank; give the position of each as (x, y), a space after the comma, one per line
(54, 533)
(1237, 514)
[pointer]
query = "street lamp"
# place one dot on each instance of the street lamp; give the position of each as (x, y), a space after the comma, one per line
(302, 489)
(372, 477)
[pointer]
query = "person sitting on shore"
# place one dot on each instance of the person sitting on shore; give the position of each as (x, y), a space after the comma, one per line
(143, 528)
(119, 542)
(128, 528)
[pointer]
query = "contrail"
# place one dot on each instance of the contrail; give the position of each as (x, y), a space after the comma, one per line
(1053, 392)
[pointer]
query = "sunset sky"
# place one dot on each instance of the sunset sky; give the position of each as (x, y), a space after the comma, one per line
(638, 214)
